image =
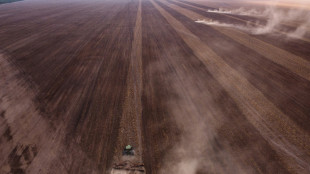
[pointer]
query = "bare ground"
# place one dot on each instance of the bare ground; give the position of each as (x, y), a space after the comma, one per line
(80, 80)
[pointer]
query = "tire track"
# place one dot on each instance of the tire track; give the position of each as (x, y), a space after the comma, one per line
(130, 123)
(99, 130)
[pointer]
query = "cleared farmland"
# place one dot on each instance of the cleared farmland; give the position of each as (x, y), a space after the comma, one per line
(80, 80)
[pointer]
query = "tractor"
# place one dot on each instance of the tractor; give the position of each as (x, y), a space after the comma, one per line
(128, 150)
(129, 165)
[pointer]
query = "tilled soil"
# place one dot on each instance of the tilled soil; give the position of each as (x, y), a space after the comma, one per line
(82, 79)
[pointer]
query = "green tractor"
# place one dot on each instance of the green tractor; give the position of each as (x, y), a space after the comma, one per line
(130, 165)
(128, 150)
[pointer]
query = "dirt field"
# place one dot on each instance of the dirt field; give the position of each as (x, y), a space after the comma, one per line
(79, 80)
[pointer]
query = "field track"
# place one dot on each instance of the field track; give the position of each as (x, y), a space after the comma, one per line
(79, 80)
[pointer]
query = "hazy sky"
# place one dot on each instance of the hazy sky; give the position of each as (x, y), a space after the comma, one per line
(305, 4)
(285, 1)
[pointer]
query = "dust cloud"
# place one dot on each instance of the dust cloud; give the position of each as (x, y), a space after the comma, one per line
(198, 119)
(298, 19)
(239, 11)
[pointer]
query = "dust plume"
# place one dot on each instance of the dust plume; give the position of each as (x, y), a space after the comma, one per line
(248, 28)
(277, 16)
(293, 22)
(198, 148)
(239, 11)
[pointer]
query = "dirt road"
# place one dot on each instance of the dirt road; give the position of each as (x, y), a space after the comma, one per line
(79, 80)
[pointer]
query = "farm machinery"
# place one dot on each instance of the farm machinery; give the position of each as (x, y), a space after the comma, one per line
(129, 165)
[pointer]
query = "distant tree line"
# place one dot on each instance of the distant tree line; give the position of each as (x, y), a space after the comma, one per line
(8, 1)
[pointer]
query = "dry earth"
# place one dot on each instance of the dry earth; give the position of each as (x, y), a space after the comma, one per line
(79, 80)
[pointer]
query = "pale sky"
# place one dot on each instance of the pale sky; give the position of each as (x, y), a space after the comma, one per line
(286, 3)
